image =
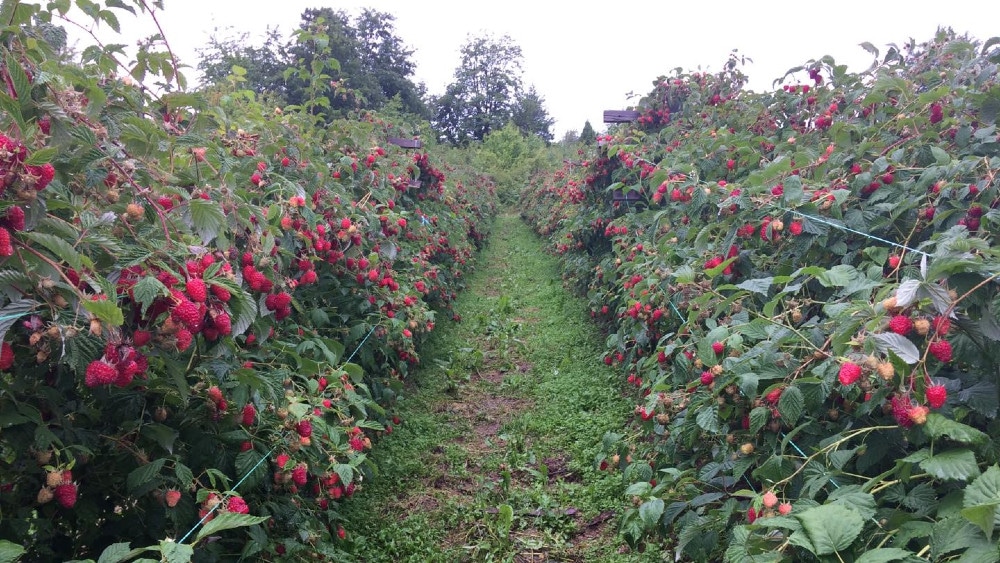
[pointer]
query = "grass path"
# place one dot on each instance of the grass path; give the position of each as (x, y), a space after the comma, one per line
(494, 458)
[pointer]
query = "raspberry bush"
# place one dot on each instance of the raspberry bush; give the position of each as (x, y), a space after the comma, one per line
(802, 290)
(199, 291)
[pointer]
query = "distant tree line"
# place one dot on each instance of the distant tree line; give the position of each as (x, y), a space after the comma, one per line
(336, 64)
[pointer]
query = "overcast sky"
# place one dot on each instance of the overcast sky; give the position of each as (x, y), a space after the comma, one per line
(585, 56)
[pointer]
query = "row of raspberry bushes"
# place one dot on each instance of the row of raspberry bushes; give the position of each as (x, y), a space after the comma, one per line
(801, 287)
(197, 290)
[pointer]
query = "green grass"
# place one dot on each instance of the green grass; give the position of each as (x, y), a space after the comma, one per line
(494, 459)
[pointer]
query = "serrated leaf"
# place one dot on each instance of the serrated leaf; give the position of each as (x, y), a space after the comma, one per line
(206, 218)
(162, 434)
(708, 419)
(650, 511)
(228, 521)
(107, 311)
(953, 533)
(840, 275)
(184, 474)
(982, 497)
(899, 345)
(958, 465)
(144, 474)
(41, 156)
(982, 398)
(790, 405)
(854, 498)
(639, 489)
(177, 552)
(758, 418)
(906, 293)
(884, 555)
(116, 553)
(10, 551)
(831, 528)
(147, 290)
(249, 467)
(938, 426)
(61, 249)
(19, 78)
(758, 285)
(14, 311)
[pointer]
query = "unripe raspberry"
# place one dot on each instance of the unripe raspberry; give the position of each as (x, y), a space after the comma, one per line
(770, 499)
(44, 495)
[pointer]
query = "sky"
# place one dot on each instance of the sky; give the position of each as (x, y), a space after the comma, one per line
(587, 56)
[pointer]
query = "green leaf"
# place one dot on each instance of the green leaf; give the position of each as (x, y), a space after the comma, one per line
(228, 521)
(650, 511)
(790, 405)
(958, 465)
(938, 426)
(61, 249)
(10, 552)
(248, 465)
(640, 489)
(162, 434)
(708, 419)
(22, 85)
(41, 156)
(792, 193)
(147, 290)
(940, 156)
(831, 528)
(841, 275)
(982, 497)
(14, 311)
(899, 344)
(854, 498)
(177, 552)
(144, 475)
(952, 534)
(884, 554)
(505, 519)
(758, 418)
(117, 552)
(107, 311)
(206, 218)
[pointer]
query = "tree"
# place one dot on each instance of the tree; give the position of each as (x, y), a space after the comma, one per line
(587, 135)
(531, 117)
(485, 91)
(264, 65)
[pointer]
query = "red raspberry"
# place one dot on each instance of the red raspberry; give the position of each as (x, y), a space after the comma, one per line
(237, 505)
(188, 314)
(773, 396)
(770, 499)
(941, 349)
(184, 339)
(100, 373)
(173, 496)
(6, 248)
(221, 293)
(249, 414)
(341, 532)
(942, 325)
(6, 356)
(795, 228)
(707, 378)
(785, 508)
(304, 428)
(718, 347)
(281, 460)
(223, 323)
(901, 324)
(43, 175)
(300, 474)
(936, 396)
(215, 394)
(901, 410)
(849, 373)
(65, 495)
(197, 290)
(141, 337)
(15, 218)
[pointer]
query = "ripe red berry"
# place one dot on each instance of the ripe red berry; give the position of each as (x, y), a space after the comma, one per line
(894, 261)
(6, 248)
(849, 373)
(281, 460)
(942, 325)
(249, 414)
(237, 505)
(773, 396)
(936, 396)
(941, 349)
(770, 499)
(215, 394)
(300, 474)
(65, 495)
(707, 378)
(100, 373)
(785, 508)
(221, 293)
(901, 324)
(197, 290)
(304, 428)
(172, 497)
(795, 227)
(188, 314)
(718, 347)
(6, 356)
(15, 218)
(43, 174)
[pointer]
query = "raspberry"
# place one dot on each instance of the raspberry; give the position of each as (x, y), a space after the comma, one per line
(221, 293)
(100, 373)
(197, 290)
(223, 323)
(237, 505)
(718, 347)
(357, 444)
(65, 495)
(188, 314)
(6, 356)
(43, 174)
(751, 515)
(894, 261)
(941, 349)
(215, 394)
(141, 337)
(901, 410)
(6, 248)
(54, 478)
(922, 326)
(304, 428)
(918, 414)
(773, 396)
(885, 370)
(936, 396)
(15, 218)
(901, 324)
(770, 499)
(942, 325)
(44, 495)
(707, 378)
(184, 339)
(795, 228)
(300, 474)
(281, 460)
(249, 414)
(849, 373)
(173, 496)
(785, 508)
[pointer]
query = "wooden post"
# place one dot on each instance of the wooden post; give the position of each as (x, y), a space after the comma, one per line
(620, 116)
